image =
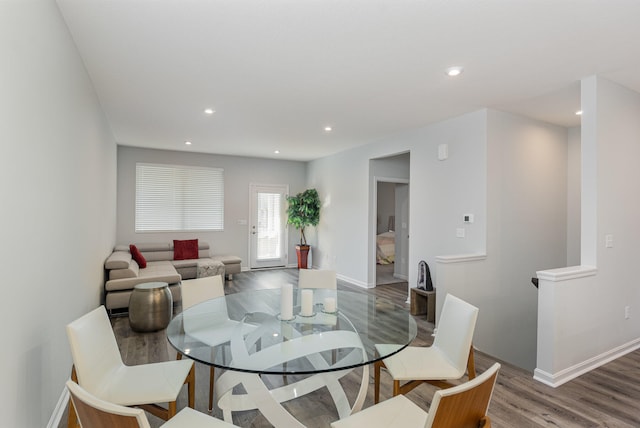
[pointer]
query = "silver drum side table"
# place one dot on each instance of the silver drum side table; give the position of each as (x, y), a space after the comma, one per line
(150, 307)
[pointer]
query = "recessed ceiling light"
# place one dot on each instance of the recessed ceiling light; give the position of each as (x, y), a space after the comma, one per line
(328, 128)
(454, 71)
(579, 113)
(276, 151)
(188, 143)
(209, 111)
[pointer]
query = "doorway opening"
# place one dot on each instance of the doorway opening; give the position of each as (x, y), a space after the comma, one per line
(390, 225)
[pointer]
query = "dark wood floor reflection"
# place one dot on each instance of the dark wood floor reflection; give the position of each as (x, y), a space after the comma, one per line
(606, 397)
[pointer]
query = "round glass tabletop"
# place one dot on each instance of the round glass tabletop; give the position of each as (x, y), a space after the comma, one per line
(245, 331)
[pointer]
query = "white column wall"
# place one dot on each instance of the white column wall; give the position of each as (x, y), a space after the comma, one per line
(58, 174)
(582, 320)
(574, 184)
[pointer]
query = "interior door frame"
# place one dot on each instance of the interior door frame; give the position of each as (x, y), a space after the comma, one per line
(374, 230)
(254, 188)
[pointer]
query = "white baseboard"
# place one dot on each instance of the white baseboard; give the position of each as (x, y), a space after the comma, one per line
(58, 412)
(401, 276)
(354, 281)
(563, 376)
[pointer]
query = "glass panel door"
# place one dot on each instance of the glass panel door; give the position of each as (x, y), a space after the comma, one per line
(268, 226)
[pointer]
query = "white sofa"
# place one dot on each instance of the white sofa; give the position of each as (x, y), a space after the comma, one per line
(123, 272)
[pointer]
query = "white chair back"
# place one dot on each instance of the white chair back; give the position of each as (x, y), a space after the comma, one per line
(317, 278)
(94, 349)
(206, 315)
(96, 413)
(455, 331)
(198, 290)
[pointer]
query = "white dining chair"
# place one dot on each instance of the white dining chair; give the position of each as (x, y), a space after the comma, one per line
(98, 368)
(195, 291)
(461, 406)
(96, 413)
(450, 356)
(317, 278)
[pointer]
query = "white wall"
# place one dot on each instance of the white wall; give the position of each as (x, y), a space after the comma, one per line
(507, 170)
(526, 229)
(440, 193)
(239, 172)
(582, 310)
(574, 184)
(58, 174)
(340, 239)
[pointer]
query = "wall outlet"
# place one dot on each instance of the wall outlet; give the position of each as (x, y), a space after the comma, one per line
(627, 312)
(460, 232)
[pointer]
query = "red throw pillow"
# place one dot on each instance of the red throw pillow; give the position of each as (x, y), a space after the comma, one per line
(185, 250)
(137, 256)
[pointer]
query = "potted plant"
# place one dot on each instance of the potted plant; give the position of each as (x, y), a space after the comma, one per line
(303, 210)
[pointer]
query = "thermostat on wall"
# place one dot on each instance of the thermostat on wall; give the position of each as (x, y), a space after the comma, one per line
(468, 218)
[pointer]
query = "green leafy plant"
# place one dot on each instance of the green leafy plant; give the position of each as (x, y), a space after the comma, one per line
(303, 210)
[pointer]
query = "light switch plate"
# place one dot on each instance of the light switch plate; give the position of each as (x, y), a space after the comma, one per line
(443, 151)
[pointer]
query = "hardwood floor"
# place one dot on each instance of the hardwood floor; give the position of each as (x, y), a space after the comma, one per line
(606, 397)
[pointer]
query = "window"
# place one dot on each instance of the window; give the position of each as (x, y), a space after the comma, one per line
(179, 198)
(269, 235)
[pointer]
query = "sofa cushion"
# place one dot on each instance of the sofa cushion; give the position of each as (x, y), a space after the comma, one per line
(118, 260)
(227, 259)
(130, 272)
(232, 264)
(137, 256)
(185, 249)
(155, 271)
(179, 264)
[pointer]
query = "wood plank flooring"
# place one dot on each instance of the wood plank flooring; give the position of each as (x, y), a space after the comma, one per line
(606, 397)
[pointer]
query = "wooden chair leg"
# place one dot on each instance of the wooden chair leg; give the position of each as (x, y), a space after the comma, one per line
(191, 385)
(376, 381)
(471, 364)
(212, 375)
(72, 421)
(396, 387)
(171, 410)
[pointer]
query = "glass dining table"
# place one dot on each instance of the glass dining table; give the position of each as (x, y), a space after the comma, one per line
(245, 335)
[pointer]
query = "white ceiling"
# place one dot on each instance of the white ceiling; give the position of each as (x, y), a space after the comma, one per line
(278, 71)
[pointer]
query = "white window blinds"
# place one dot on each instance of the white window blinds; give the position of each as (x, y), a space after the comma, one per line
(179, 198)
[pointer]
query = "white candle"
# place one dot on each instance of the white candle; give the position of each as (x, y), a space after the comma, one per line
(329, 304)
(306, 303)
(286, 302)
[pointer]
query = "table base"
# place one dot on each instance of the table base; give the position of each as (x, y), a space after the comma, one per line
(269, 402)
